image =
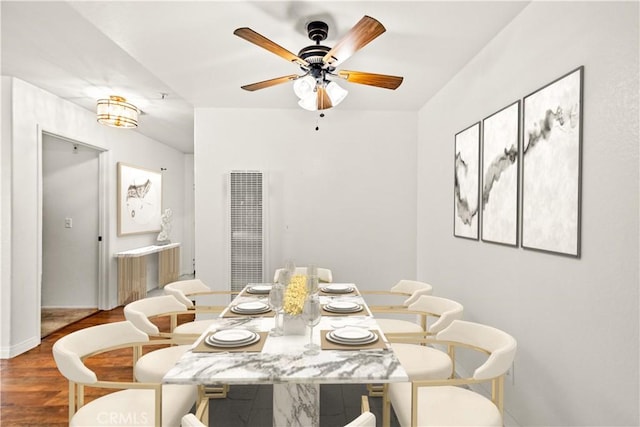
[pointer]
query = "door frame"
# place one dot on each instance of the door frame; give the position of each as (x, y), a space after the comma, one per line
(103, 223)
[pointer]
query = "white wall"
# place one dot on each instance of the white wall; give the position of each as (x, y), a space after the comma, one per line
(32, 107)
(70, 178)
(188, 228)
(342, 197)
(576, 320)
(5, 211)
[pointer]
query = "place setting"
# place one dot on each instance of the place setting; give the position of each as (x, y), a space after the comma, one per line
(259, 288)
(250, 308)
(231, 340)
(350, 338)
(341, 308)
(338, 289)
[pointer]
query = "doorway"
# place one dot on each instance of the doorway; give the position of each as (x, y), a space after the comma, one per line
(70, 230)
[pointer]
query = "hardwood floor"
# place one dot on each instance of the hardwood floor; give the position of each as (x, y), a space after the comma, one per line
(52, 319)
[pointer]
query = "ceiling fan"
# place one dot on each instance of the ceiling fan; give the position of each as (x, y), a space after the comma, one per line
(316, 87)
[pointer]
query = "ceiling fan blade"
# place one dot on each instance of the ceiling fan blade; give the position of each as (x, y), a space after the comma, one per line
(269, 83)
(371, 79)
(359, 36)
(259, 40)
(323, 100)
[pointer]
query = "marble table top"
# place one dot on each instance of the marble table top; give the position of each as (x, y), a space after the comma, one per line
(282, 360)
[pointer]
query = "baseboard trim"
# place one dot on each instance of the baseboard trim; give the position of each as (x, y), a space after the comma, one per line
(18, 349)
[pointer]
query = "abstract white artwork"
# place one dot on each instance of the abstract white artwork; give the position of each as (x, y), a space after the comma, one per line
(139, 200)
(466, 182)
(500, 176)
(551, 180)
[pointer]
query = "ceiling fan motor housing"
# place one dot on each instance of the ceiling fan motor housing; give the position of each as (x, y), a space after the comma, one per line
(317, 31)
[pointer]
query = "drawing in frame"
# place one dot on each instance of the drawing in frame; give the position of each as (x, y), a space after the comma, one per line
(500, 167)
(466, 182)
(551, 166)
(139, 200)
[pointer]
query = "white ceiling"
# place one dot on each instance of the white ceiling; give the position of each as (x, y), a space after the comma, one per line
(84, 50)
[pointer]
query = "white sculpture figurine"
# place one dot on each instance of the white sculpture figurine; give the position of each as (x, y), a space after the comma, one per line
(163, 237)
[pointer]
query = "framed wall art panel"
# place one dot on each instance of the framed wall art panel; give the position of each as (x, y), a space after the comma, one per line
(139, 200)
(466, 182)
(551, 166)
(500, 167)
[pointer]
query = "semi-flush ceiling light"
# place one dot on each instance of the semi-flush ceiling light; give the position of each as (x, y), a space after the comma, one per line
(117, 112)
(305, 89)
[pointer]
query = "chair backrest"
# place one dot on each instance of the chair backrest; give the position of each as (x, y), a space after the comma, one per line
(448, 310)
(500, 346)
(191, 420)
(182, 288)
(366, 419)
(324, 274)
(69, 350)
(138, 312)
(412, 288)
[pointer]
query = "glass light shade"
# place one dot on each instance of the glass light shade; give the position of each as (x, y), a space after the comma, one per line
(309, 102)
(336, 93)
(117, 112)
(304, 86)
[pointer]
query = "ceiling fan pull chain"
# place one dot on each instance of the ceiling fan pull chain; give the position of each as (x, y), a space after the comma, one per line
(319, 116)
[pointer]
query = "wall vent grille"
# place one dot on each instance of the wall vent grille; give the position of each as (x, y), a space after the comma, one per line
(246, 231)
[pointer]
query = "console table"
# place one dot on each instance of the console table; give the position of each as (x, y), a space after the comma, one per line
(132, 270)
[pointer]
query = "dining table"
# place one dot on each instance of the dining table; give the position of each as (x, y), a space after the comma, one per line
(281, 360)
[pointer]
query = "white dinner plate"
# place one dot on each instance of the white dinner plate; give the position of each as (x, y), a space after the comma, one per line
(232, 335)
(343, 307)
(259, 289)
(254, 307)
(250, 339)
(337, 288)
(364, 337)
(351, 333)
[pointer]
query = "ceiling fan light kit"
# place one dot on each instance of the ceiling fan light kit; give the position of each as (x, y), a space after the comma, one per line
(117, 112)
(316, 87)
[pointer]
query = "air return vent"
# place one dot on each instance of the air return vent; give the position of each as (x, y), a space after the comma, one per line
(246, 231)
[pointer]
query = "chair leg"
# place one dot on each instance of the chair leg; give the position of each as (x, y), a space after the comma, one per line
(202, 410)
(386, 407)
(72, 399)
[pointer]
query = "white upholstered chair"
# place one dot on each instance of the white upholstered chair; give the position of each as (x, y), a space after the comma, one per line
(186, 290)
(448, 402)
(420, 361)
(324, 274)
(191, 420)
(366, 417)
(135, 403)
(141, 311)
(153, 365)
(407, 290)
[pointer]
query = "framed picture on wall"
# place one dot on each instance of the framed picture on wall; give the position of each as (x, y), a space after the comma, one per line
(551, 166)
(466, 182)
(500, 167)
(139, 200)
